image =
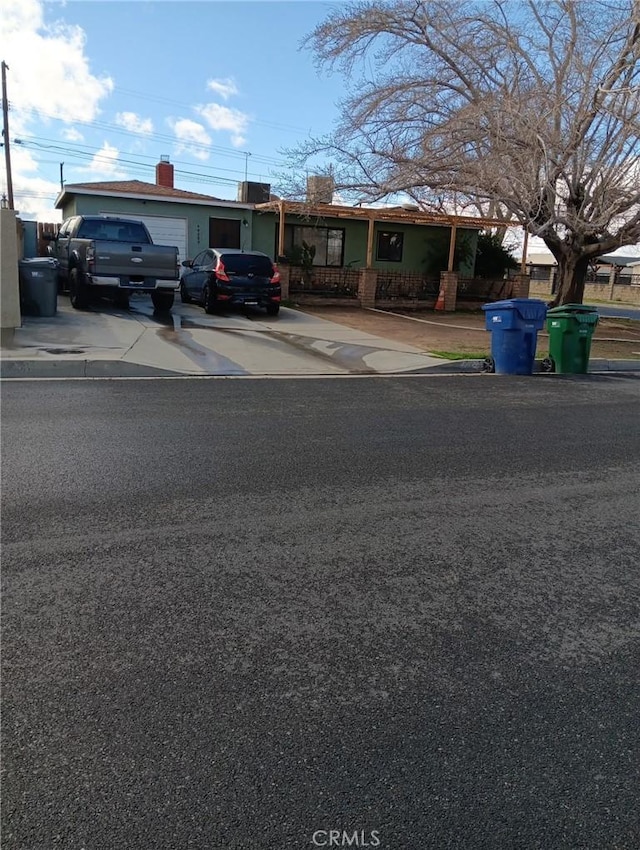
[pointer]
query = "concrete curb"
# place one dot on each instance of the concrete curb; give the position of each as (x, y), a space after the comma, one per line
(79, 369)
(596, 365)
(60, 369)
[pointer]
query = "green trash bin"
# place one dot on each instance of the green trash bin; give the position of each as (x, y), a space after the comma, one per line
(570, 329)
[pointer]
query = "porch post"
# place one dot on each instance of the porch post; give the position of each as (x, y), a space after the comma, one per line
(525, 245)
(449, 290)
(281, 230)
(452, 248)
(367, 286)
(370, 241)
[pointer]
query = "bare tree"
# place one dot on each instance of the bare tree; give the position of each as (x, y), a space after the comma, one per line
(532, 108)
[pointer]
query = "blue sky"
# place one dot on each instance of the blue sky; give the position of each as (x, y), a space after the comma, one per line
(107, 87)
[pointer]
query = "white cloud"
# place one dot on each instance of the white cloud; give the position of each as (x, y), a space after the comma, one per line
(70, 134)
(48, 69)
(49, 77)
(192, 137)
(104, 164)
(134, 123)
(33, 196)
(225, 88)
(222, 118)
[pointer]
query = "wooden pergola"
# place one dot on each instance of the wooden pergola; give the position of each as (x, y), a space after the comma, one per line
(392, 215)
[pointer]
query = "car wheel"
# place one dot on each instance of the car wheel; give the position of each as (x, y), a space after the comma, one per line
(78, 290)
(184, 295)
(162, 301)
(208, 301)
(273, 309)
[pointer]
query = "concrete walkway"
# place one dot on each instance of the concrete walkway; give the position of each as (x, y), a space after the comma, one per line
(106, 341)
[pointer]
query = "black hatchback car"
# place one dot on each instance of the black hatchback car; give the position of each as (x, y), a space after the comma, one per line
(220, 277)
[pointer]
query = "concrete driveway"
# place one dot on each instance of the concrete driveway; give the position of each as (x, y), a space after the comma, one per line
(107, 341)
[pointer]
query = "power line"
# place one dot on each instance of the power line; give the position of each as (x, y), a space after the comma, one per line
(159, 99)
(63, 147)
(133, 167)
(211, 149)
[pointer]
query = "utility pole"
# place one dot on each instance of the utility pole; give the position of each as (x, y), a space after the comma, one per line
(5, 134)
(61, 176)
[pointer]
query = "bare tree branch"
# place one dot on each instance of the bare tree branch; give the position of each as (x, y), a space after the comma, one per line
(531, 109)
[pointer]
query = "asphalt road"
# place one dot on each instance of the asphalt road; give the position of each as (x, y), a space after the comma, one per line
(241, 614)
(619, 312)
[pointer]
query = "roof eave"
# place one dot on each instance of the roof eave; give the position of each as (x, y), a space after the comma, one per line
(382, 214)
(136, 196)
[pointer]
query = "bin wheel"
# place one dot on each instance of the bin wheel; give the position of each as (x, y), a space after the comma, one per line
(547, 365)
(488, 365)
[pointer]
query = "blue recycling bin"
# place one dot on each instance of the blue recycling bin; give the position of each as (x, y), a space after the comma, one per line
(514, 326)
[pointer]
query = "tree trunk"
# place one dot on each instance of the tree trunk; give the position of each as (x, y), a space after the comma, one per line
(572, 272)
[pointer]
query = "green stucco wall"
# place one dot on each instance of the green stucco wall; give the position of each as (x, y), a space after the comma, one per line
(197, 216)
(415, 244)
(260, 232)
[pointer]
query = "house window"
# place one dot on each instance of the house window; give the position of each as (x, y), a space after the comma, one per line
(328, 243)
(224, 233)
(390, 246)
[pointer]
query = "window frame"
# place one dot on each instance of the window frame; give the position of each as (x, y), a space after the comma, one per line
(290, 227)
(390, 234)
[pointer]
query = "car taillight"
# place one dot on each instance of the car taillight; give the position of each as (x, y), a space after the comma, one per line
(220, 271)
(275, 278)
(90, 258)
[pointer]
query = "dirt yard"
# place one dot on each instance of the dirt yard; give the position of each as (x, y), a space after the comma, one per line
(463, 334)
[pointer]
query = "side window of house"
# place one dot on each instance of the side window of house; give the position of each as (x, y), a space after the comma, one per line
(390, 246)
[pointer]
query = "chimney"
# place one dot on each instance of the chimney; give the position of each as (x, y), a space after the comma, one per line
(320, 189)
(164, 173)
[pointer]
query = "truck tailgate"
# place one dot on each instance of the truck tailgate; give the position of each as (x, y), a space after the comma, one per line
(124, 259)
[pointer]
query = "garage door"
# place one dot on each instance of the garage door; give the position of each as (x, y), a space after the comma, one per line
(163, 230)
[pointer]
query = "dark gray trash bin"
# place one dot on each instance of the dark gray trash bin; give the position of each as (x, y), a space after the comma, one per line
(38, 286)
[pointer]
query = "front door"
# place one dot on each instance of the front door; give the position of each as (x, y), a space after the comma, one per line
(224, 233)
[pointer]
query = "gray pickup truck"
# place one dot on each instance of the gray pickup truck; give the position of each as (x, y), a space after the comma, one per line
(112, 256)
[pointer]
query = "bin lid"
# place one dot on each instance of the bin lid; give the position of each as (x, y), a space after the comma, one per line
(530, 309)
(578, 317)
(42, 262)
(571, 309)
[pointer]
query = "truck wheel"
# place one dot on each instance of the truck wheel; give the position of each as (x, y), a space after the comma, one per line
(78, 290)
(162, 301)
(273, 309)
